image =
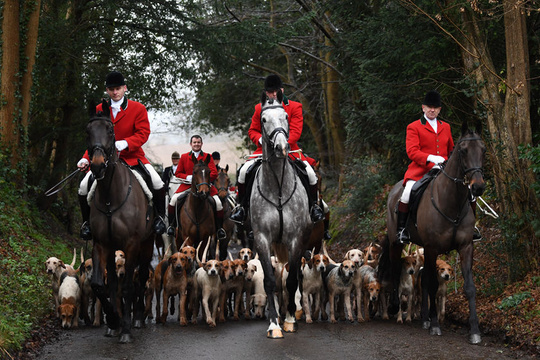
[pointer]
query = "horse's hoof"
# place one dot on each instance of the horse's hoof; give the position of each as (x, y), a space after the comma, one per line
(274, 334)
(475, 339)
(125, 339)
(298, 314)
(112, 332)
(426, 325)
(289, 327)
(137, 324)
(435, 331)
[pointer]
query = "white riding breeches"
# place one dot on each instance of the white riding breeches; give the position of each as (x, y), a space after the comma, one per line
(174, 200)
(312, 177)
(157, 183)
(407, 191)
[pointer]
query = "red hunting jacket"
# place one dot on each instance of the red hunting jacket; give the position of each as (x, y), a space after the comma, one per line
(130, 124)
(423, 141)
(185, 168)
(296, 122)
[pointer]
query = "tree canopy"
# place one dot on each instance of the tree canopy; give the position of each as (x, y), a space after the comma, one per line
(360, 69)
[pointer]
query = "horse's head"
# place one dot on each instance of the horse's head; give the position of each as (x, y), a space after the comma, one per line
(223, 182)
(200, 181)
(274, 126)
(471, 152)
(100, 142)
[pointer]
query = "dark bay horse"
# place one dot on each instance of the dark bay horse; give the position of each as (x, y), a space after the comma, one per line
(222, 184)
(279, 211)
(197, 215)
(444, 222)
(121, 219)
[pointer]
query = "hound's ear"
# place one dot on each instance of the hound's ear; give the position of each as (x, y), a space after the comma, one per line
(280, 96)
(263, 98)
(105, 108)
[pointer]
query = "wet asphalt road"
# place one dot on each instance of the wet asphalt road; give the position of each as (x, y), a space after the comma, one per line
(247, 340)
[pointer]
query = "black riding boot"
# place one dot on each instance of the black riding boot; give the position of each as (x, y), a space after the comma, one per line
(402, 215)
(221, 234)
(239, 214)
(316, 213)
(159, 204)
(171, 215)
(327, 235)
(85, 233)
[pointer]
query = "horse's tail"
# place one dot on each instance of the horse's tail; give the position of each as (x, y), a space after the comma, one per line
(280, 250)
(384, 261)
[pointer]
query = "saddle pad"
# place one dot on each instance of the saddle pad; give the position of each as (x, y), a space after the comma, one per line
(139, 178)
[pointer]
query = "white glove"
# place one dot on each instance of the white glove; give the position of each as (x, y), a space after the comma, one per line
(436, 159)
(121, 145)
(83, 164)
(189, 177)
(260, 140)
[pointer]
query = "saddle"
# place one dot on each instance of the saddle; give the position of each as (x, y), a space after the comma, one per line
(298, 165)
(418, 190)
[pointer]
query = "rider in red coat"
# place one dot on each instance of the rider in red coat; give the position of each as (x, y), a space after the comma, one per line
(273, 85)
(429, 143)
(184, 172)
(131, 131)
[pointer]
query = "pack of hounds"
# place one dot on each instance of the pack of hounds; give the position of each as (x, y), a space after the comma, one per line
(234, 288)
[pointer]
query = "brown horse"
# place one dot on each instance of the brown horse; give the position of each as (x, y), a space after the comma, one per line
(197, 215)
(444, 222)
(121, 219)
(222, 184)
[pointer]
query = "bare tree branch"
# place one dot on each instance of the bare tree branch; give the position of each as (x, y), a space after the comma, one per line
(311, 56)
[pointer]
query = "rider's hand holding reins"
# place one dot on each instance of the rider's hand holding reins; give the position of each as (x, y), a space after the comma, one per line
(436, 159)
(83, 164)
(121, 145)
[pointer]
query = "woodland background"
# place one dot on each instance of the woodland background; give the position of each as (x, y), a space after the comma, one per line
(360, 68)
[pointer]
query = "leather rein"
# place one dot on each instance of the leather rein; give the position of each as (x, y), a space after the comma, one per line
(269, 139)
(463, 181)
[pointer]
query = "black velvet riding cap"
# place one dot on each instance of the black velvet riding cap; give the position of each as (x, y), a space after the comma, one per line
(175, 155)
(114, 79)
(272, 83)
(433, 99)
(216, 155)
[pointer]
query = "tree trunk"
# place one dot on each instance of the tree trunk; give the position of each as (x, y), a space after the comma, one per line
(30, 54)
(9, 107)
(509, 121)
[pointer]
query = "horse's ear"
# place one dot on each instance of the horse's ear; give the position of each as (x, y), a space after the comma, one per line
(207, 160)
(105, 108)
(227, 168)
(263, 98)
(464, 128)
(280, 96)
(478, 127)
(92, 108)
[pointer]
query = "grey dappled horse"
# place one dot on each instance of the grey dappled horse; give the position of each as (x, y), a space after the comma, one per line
(279, 211)
(444, 222)
(121, 219)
